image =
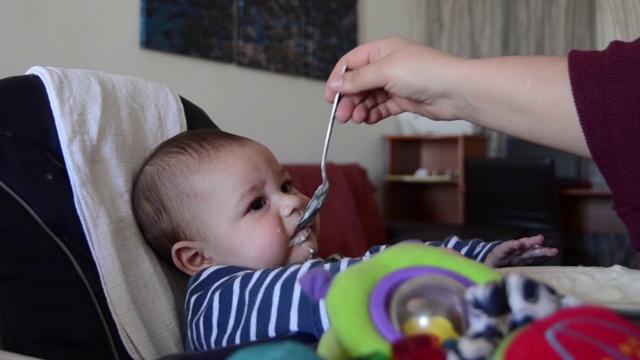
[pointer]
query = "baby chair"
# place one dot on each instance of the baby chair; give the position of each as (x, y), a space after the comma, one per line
(77, 280)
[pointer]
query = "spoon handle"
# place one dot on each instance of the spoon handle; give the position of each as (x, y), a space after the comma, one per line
(327, 138)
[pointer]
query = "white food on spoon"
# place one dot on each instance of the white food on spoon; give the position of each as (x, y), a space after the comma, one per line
(300, 237)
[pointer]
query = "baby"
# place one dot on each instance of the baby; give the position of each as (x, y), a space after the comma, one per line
(223, 210)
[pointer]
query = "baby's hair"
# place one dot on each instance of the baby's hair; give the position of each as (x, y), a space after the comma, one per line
(157, 197)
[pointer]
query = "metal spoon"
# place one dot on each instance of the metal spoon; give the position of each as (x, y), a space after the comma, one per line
(318, 198)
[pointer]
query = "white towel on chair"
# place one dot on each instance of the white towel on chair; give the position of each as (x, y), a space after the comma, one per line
(107, 125)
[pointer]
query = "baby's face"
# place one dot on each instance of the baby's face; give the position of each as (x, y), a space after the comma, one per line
(249, 209)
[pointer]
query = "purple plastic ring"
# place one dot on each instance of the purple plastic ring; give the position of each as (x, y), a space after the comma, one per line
(386, 287)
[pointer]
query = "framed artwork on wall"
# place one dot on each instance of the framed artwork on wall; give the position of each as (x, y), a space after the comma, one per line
(295, 37)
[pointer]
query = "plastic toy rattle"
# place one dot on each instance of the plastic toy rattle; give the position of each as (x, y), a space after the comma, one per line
(409, 290)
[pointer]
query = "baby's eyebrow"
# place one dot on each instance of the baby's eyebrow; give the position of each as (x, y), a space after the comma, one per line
(261, 183)
(258, 185)
(283, 171)
(247, 194)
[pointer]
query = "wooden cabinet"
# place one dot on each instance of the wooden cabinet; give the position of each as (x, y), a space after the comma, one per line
(436, 195)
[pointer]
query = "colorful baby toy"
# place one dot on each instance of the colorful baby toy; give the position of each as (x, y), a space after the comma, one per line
(413, 301)
(425, 287)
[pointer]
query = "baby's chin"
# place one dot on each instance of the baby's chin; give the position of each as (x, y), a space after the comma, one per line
(302, 252)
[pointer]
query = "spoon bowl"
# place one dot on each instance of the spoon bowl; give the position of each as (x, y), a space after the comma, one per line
(315, 204)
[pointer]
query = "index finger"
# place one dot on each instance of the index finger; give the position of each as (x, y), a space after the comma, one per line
(361, 68)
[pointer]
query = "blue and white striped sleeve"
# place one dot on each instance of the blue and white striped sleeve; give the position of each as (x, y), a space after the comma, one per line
(475, 249)
(229, 305)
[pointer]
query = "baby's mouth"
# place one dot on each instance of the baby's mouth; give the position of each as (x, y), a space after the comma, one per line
(300, 236)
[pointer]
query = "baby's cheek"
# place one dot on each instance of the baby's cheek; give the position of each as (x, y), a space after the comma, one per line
(272, 249)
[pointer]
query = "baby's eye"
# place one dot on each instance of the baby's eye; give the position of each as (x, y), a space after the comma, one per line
(286, 186)
(257, 204)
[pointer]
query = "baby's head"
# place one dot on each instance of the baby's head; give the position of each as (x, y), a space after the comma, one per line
(207, 197)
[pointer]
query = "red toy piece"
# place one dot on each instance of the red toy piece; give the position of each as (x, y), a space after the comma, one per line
(419, 347)
(584, 332)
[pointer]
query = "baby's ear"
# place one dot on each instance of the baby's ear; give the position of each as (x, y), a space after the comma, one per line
(188, 257)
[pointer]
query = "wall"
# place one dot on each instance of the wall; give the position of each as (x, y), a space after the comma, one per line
(288, 114)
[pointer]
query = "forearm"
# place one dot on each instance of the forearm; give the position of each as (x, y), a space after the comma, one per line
(528, 97)
(228, 305)
(475, 249)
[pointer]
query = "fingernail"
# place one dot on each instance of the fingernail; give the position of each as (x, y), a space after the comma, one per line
(336, 83)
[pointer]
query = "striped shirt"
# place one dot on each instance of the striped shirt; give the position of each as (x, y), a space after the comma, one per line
(228, 305)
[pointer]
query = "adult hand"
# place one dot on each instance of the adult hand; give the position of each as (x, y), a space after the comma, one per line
(391, 76)
(528, 97)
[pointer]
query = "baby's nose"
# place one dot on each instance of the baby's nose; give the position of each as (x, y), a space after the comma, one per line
(293, 204)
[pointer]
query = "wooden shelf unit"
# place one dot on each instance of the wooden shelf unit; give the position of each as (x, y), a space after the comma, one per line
(438, 197)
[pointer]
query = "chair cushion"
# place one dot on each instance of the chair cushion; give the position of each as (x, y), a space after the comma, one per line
(52, 303)
(49, 284)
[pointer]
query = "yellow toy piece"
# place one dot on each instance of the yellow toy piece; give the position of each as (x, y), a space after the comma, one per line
(439, 326)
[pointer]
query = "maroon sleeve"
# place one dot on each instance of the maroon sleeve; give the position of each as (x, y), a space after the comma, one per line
(606, 91)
